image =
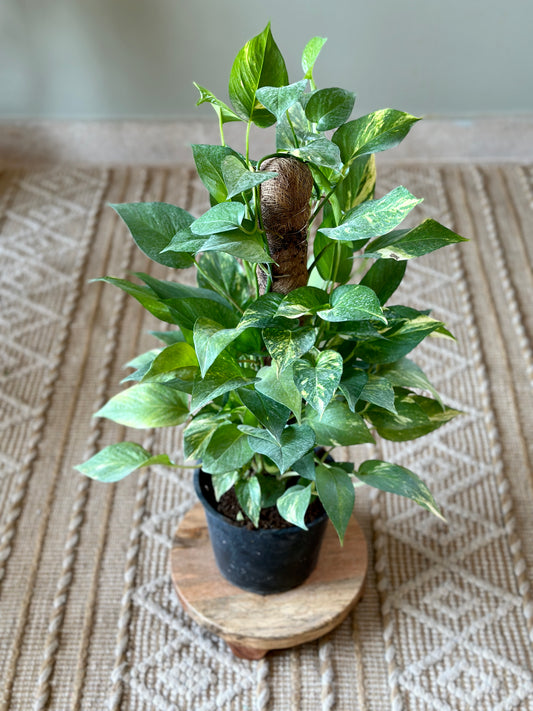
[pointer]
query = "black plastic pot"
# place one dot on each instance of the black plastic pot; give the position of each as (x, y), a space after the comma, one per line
(262, 561)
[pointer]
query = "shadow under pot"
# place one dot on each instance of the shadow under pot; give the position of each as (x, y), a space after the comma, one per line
(265, 560)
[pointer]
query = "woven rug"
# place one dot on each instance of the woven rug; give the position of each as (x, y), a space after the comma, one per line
(88, 616)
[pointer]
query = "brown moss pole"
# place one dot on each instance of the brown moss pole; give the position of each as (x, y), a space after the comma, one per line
(285, 209)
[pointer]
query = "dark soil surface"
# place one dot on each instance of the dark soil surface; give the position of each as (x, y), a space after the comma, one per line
(270, 518)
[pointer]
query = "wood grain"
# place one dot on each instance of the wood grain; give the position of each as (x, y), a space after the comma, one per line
(253, 624)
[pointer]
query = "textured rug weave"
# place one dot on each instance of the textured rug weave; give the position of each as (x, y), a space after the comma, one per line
(88, 617)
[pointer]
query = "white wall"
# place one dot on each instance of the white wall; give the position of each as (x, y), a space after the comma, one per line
(90, 59)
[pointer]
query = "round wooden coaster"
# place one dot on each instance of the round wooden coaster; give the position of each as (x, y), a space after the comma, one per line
(254, 624)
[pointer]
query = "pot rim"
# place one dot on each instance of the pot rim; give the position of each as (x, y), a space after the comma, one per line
(249, 531)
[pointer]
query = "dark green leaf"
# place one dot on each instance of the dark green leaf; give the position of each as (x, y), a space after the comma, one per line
(271, 414)
(378, 391)
(278, 99)
(404, 373)
(294, 130)
(223, 111)
(259, 63)
(338, 426)
(407, 244)
(377, 131)
(147, 405)
(294, 442)
(397, 480)
(287, 346)
(329, 108)
(336, 261)
(310, 54)
(305, 467)
(293, 504)
(228, 449)
(249, 496)
(152, 226)
(351, 386)
(359, 183)
(222, 377)
(271, 489)
(227, 272)
(336, 492)
(353, 302)
(145, 296)
(250, 247)
(318, 383)
(417, 416)
(220, 218)
(280, 387)
(238, 178)
(118, 460)
(208, 161)
(303, 301)
(384, 277)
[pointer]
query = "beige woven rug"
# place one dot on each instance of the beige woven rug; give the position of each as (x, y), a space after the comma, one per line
(88, 617)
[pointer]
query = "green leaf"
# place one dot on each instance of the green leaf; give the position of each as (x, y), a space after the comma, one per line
(220, 218)
(294, 503)
(116, 461)
(223, 111)
(238, 178)
(249, 496)
(294, 129)
(352, 385)
(172, 358)
(404, 373)
(223, 482)
(310, 55)
(416, 416)
(145, 296)
(250, 247)
(397, 480)
(208, 160)
(280, 387)
(336, 260)
(359, 183)
(197, 434)
(353, 302)
(336, 492)
(320, 151)
(303, 301)
(210, 339)
(228, 450)
(384, 277)
(259, 63)
(377, 131)
(329, 108)
(338, 426)
(226, 271)
(378, 391)
(261, 312)
(318, 383)
(152, 226)
(271, 489)
(295, 441)
(279, 99)
(407, 244)
(222, 377)
(141, 365)
(147, 405)
(286, 346)
(374, 217)
(271, 414)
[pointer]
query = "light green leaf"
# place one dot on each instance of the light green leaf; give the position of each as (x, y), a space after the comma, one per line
(302, 302)
(294, 503)
(210, 339)
(378, 391)
(336, 492)
(208, 161)
(353, 302)
(172, 358)
(152, 226)
(384, 277)
(416, 416)
(249, 496)
(404, 373)
(377, 131)
(359, 183)
(220, 218)
(280, 387)
(397, 480)
(320, 151)
(329, 108)
(222, 377)
(286, 346)
(238, 178)
(239, 244)
(259, 63)
(408, 244)
(118, 460)
(147, 405)
(222, 110)
(318, 383)
(310, 55)
(228, 450)
(295, 441)
(223, 482)
(338, 426)
(279, 99)
(294, 130)
(141, 364)
(271, 414)
(197, 434)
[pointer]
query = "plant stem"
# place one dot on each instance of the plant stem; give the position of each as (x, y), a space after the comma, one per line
(221, 127)
(248, 127)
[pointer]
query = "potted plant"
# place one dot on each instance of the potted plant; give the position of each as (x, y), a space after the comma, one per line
(283, 350)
